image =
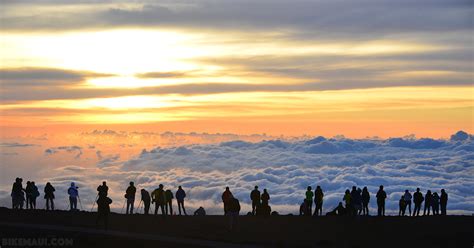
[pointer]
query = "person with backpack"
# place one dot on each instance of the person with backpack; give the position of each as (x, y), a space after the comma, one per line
(265, 197)
(130, 196)
(365, 201)
(73, 195)
(49, 195)
(158, 197)
(443, 201)
(255, 198)
(180, 195)
(309, 199)
(146, 201)
(407, 197)
(381, 196)
(318, 201)
(233, 211)
(169, 202)
(417, 200)
(428, 201)
(226, 198)
(103, 210)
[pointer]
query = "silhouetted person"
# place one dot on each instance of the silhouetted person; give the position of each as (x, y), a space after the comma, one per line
(407, 197)
(443, 201)
(73, 194)
(338, 211)
(233, 211)
(49, 195)
(169, 202)
(435, 203)
(263, 209)
(417, 200)
(365, 201)
(309, 199)
(265, 197)
(103, 210)
(428, 201)
(158, 197)
(17, 194)
(200, 212)
(146, 201)
(318, 201)
(34, 194)
(28, 194)
(304, 208)
(255, 197)
(103, 189)
(381, 196)
(348, 200)
(402, 205)
(130, 196)
(226, 197)
(356, 200)
(180, 195)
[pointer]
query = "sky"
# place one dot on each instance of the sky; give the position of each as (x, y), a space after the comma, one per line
(88, 85)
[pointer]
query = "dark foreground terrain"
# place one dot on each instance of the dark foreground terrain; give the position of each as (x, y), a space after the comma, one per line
(17, 228)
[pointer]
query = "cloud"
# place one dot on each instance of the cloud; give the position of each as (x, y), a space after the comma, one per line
(29, 76)
(54, 150)
(15, 145)
(285, 168)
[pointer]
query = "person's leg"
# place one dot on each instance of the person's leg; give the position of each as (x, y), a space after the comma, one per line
(156, 208)
(171, 208)
(184, 209)
(179, 207)
(132, 205)
(52, 204)
(409, 207)
(47, 203)
(383, 208)
(146, 207)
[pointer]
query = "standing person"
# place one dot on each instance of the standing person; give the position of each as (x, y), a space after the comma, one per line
(35, 194)
(348, 200)
(158, 197)
(265, 197)
(407, 197)
(402, 205)
(49, 195)
(28, 194)
(358, 202)
(180, 195)
(103, 189)
(255, 197)
(146, 201)
(233, 211)
(428, 199)
(318, 201)
(417, 200)
(226, 197)
(169, 202)
(309, 199)
(17, 194)
(381, 196)
(130, 196)
(73, 194)
(103, 210)
(365, 201)
(443, 201)
(435, 203)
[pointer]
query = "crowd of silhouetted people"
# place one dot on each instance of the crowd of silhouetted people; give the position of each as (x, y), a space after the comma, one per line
(356, 201)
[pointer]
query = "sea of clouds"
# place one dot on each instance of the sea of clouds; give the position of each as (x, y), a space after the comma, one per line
(285, 168)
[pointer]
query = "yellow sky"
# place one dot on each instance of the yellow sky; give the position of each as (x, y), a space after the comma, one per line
(263, 82)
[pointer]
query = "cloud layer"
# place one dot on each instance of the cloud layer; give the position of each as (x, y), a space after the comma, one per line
(286, 168)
